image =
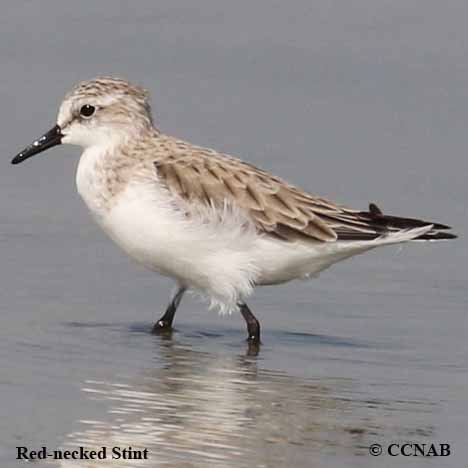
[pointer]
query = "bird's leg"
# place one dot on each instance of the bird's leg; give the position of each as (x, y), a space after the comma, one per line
(253, 325)
(165, 322)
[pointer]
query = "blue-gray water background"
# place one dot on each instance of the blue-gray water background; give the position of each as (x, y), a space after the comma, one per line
(356, 101)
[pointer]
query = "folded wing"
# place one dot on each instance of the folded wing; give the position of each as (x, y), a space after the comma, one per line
(202, 176)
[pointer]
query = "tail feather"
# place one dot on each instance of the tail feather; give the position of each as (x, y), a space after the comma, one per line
(386, 225)
(399, 222)
(434, 235)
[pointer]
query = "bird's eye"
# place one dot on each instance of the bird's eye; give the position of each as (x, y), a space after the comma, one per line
(87, 111)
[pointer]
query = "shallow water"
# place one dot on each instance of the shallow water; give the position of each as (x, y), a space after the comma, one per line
(359, 104)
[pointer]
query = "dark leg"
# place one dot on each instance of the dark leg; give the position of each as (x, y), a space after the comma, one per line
(165, 322)
(253, 325)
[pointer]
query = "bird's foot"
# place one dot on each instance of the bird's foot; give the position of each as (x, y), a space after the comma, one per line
(253, 345)
(162, 327)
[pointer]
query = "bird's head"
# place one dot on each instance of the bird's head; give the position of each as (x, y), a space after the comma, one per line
(102, 111)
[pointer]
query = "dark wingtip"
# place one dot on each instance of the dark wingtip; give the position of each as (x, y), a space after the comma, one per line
(377, 215)
(437, 236)
(441, 227)
(381, 223)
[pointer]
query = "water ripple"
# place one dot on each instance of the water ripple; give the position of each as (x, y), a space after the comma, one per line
(197, 409)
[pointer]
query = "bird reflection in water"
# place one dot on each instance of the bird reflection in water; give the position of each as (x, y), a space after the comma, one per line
(200, 409)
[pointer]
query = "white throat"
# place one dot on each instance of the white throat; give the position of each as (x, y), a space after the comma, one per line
(91, 179)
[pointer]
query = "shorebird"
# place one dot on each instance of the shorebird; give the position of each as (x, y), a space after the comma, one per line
(214, 223)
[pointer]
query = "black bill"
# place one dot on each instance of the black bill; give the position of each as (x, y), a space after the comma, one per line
(52, 138)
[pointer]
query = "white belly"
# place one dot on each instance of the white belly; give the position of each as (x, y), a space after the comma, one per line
(215, 258)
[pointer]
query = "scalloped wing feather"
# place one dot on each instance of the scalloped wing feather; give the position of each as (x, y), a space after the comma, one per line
(203, 176)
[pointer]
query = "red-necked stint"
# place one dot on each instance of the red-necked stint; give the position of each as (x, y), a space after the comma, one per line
(215, 224)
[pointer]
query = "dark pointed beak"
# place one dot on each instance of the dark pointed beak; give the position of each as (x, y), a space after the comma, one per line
(52, 138)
